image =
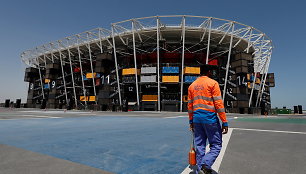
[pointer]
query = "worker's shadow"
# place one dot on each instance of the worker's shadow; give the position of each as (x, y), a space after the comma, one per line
(194, 169)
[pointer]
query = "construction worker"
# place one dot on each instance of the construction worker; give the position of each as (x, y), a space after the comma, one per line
(204, 102)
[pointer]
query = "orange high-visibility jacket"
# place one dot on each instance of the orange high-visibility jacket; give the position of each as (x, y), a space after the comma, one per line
(204, 101)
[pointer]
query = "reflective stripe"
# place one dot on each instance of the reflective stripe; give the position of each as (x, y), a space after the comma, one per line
(217, 98)
(203, 106)
(221, 110)
(190, 111)
(203, 98)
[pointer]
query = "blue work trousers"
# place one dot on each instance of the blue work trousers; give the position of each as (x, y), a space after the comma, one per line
(212, 133)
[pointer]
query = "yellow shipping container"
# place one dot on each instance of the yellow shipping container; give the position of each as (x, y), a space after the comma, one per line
(249, 84)
(130, 71)
(91, 75)
(149, 97)
(92, 98)
(185, 98)
(257, 81)
(47, 80)
(83, 98)
(88, 98)
(192, 70)
(170, 79)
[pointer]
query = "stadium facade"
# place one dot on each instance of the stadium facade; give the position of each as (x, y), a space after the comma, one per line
(148, 63)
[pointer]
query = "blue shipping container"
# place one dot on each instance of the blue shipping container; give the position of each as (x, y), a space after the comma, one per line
(46, 86)
(170, 70)
(190, 79)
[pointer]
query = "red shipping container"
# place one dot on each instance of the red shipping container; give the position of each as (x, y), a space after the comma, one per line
(153, 55)
(171, 55)
(213, 62)
(98, 82)
(189, 55)
(77, 69)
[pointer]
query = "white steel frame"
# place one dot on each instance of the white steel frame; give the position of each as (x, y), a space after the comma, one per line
(232, 33)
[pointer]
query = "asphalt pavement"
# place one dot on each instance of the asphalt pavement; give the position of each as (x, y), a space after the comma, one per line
(59, 141)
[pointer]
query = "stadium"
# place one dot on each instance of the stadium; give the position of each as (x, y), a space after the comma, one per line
(147, 64)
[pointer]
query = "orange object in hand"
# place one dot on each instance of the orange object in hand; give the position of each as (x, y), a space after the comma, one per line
(192, 157)
(192, 152)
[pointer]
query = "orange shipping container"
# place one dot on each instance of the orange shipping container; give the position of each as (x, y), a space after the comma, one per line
(170, 79)
(88, 98)
(92, 98)
(150, 98)
(91, 75)
(130, 71)
(83, 98)
(192, 70)
(47, 80)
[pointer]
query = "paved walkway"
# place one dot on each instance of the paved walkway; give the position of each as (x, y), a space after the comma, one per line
(54, 141)
(19, 161)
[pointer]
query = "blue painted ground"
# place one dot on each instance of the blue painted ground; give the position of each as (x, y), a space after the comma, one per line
(115, 144)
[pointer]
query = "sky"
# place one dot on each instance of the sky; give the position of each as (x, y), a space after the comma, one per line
(27, 24)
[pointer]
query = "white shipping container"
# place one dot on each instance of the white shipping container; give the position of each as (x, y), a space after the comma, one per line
(148, 78)
(148, 70)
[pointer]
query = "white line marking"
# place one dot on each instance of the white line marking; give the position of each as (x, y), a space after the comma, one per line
(225, 140)
(218, 161)
(44, 116)
(55, 112)
(187, 170)
(177, 117)
(38, 116)
(88, 114)
(275, 131)
(20, 118)
(35, 116)
(7, 119)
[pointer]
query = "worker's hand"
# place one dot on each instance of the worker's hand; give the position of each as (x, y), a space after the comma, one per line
(191, 127)
(224, 129)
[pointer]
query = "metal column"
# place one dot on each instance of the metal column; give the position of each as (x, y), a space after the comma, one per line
(261, 83)
(252, 91)
(135, 63)
(72, 77)
(228, 60)
(100, 40)
(80, 60)
(41, 83)
(249, 41)
(208, 41)
(116, 65)
(52, 57)
(45, 60)
(158, 73)
(264, 82)
(91, 67)
(61, 60)
(183, 58)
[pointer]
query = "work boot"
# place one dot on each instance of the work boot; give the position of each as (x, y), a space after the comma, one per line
(206, 170)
